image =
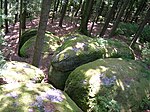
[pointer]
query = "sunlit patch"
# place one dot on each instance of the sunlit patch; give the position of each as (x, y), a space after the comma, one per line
(120, 84)
(79, 45)
(12, 94)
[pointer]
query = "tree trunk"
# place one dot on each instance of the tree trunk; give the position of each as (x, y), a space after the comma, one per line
(16, 13)
(139, 10)
(6, 13)
(118, 18)
(1, 20)
(24, 15)
(79, 7)
(63, 12)
(41, 32)
(54, 11)
(58, 1)
(20, 24)
(100, 11)
(108, 17)
(141, 27)
(85, 16)
(128, 11)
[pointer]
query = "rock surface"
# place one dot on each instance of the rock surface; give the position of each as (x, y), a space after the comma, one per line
(14, 71)
(80, 49)
(30, 97)
(109, 85)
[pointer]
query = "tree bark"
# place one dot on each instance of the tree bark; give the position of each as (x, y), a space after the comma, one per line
(79, 7)
(141, 27)
(85, 16)
(20, 24)
(129, 10)
(6, 13)
(41, 32)
(16, 13)
(1, 20)
(54, 10)
(24, 14)
(63, 12)
(139, 10)
(118, 18)
(108, 17)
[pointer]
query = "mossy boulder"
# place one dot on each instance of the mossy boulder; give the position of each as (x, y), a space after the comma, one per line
(79, 49)
(51, 42)
(20, 72)
(40, 97)
(57, 78)
(109, 85)
(26, 36)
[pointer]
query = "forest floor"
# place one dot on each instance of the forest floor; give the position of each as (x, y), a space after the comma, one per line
(11, 49)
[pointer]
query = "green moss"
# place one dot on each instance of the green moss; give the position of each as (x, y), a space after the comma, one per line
(124, 81)
(79, 49)
(26, 36)
(20, 72)
(50, 44)
(34, 97)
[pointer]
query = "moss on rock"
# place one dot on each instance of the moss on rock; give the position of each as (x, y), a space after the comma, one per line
(30, 97)
(80, 49)
(20, 72)
(109, 85)
(50, 42)
(57, 78)
(26, 36)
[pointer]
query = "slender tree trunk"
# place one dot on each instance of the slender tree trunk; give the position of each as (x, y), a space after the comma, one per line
(41, 32)
(141, 27)
(6, 13)
(16, 13)
(1, 20)
(58, 1)
(108, 17)
(79, 7)
(20, 24)
(54, 10)
(118, 18)
(129, 10)
(24, 14)
(85, 16)
(100, 11)
(139, 10)
(63, 12)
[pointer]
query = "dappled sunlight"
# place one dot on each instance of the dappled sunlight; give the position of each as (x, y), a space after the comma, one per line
(24, 97)
(120, 84)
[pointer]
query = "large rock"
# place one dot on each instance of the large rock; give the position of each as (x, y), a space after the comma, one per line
(57, 78)
(20, 97)
(80, 49)
(109, 85)
(20, 72)
(28, 38)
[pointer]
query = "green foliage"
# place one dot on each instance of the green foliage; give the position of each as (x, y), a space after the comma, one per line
(130, 29)
(146, 53)
(106, 104)
(145, 104)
